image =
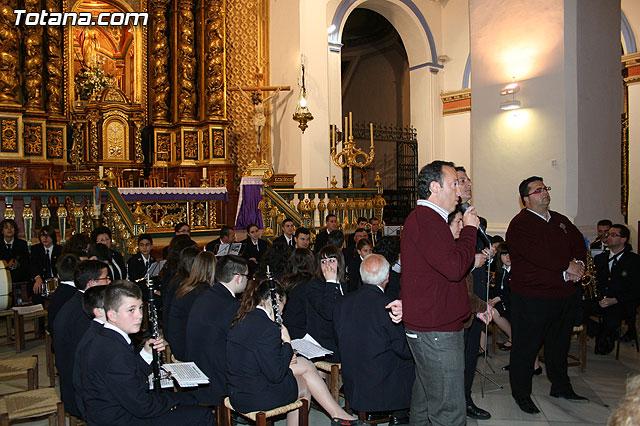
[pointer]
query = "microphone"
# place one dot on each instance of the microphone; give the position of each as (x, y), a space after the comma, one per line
(483, 235)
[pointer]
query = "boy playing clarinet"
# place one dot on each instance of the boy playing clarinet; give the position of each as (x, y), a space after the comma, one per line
(115, 382)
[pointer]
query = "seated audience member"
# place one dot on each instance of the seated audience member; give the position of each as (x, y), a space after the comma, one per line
(102, 253)
(70, 325)
(78, 243)
(102, 235)
(360, 224)
(363, 249)
(287, 233)
(227, 236)
(376, 232)
(276, 259)
(139, 263)
(322, 295)
(114, 377)
(302, 237)
(93, 307)
(66, 268)
(254, 248)
(377, 366)
(389, 247)
(201, 277)
(180, 229)
(350, 252)
(185, 264)
(44, 256)
(262, 371)
(322, 237)
(15, 253)
(300, 270)
(206, 334)
(628, 411)
(602, 228)
(617, 274)
(500, 294)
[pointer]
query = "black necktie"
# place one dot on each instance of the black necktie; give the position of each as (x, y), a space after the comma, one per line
(9, 248)
(47, 264)
(291, 242)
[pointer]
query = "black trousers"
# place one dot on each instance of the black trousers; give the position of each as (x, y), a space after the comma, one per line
(613, 316)
(536, 321)
(471, 347)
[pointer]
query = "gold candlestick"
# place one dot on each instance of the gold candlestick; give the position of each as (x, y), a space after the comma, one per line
(348, 157)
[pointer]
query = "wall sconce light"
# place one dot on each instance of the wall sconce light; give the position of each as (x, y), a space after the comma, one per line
(302, 114)
(510, 89)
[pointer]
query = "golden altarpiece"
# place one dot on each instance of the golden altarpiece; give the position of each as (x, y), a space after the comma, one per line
(147, 104)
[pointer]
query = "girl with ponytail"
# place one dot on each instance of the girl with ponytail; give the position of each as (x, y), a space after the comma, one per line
(262, 370)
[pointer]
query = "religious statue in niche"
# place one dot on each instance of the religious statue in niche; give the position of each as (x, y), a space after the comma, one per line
(259, 119)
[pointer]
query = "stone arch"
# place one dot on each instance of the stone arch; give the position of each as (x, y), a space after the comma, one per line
(628, 38)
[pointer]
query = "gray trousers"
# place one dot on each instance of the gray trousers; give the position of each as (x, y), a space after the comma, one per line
(438, 392)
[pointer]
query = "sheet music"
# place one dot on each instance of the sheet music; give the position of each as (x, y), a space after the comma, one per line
(309, 348)
(186, 374)
(165, 380)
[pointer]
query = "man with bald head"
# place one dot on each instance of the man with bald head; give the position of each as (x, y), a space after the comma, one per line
(377, 366)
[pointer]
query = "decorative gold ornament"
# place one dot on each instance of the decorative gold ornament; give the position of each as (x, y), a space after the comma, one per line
(186, 61)
(350, 152)
(9, 59)
(9, 177)
(302, 114)
(32, 137)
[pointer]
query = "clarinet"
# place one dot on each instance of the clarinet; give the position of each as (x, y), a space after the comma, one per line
(274, 298)
(153, 321)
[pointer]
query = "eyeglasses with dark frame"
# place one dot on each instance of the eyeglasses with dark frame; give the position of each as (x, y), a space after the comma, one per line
(540, 190)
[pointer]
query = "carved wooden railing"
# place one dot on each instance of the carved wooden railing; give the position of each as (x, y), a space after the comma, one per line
(308, 206)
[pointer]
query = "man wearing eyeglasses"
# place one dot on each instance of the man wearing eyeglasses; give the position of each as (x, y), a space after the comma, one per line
(617, 274)
(547, 257)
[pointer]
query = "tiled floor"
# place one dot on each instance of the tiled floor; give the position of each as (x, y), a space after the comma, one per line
(603, 383)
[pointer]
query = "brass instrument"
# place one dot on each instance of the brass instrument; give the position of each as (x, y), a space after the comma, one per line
(589, 282)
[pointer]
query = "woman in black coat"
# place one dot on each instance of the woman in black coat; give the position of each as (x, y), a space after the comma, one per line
(300, 270)
(262, 371)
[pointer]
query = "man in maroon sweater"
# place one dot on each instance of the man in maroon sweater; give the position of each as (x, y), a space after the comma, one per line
(434, 296)
(547, 257)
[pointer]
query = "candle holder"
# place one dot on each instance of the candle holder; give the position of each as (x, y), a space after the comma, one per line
(204, 183)
(348, 157)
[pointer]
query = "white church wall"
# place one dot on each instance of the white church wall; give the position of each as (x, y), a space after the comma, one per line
(455, 43)
(457, 131)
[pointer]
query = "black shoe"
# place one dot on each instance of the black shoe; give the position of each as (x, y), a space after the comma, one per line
(527, 405)
(477, 413)
(569, 396)
(343, 422)
(506, 367)
(238, 419)
(374, 417)
(393, 420)
(537, 371)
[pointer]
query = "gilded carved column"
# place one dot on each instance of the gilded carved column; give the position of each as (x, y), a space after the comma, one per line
(214, 59)
(9, 48)
(55, 80)
(137, 138)
(186, 61)
(94, 152)
(33, 61)
(159, 61)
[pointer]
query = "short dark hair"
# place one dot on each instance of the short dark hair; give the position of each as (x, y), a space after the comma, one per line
(361, 219)
(48, 230)
(460, 169)
(336, 238)
(389, 247)
(66, 266)
(523, 188)
(145, 237)
(224, 231)
(327, 217)
(359, 230)
(432, 172)
(179, 225)
(605, 222)
(302, 230)
(93, 298)
(288, 219)
(78, 242)
(372, 218)
(9, 222)
(624, 231)
(251, 225)
(496, 239)
(117, 291)
(99, 231)
(86, 271)
(228, 266)
(101, 252)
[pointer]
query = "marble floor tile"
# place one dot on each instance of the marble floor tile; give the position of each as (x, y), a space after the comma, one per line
(558, 409)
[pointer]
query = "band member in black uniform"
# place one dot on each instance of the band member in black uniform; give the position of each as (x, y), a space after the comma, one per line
(44, 257)
(139, 263)
(14, 251)
(102, 235)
